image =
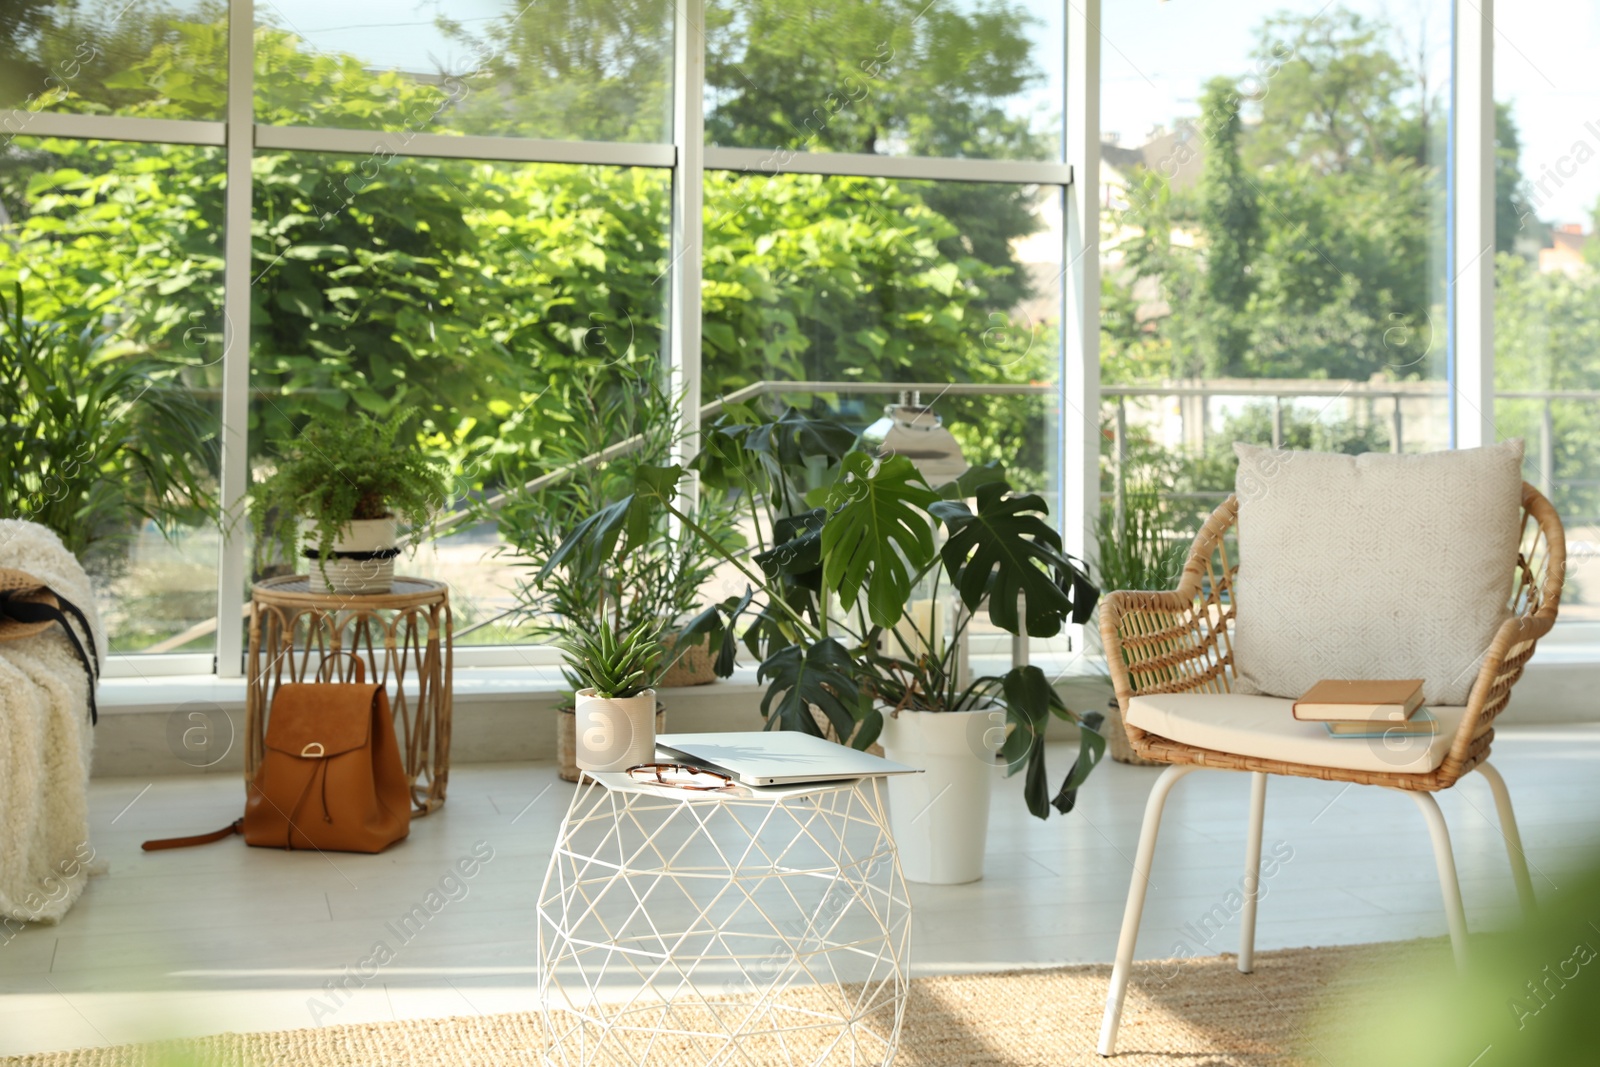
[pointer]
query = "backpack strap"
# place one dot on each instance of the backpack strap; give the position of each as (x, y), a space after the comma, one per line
(197, 839)
(32, 611)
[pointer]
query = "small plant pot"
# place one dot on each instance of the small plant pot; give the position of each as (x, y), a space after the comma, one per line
(567, 740)
(613, 735)
(940, 818)
(362, 560)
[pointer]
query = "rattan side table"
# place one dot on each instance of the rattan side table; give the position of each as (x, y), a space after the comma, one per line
(404, 637)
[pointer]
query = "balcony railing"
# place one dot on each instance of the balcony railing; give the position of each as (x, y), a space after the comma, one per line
(1385, 400)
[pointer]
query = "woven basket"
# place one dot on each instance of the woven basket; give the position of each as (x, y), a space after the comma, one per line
(694, 667)
(1117, 738)
(567, 740)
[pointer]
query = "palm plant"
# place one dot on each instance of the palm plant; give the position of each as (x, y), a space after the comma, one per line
(96, 434)
(655, 583)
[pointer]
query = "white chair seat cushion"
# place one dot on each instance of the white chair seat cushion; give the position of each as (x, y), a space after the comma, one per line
(1265, 727)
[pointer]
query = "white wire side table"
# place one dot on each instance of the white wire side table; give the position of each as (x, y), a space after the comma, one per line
(743, 926)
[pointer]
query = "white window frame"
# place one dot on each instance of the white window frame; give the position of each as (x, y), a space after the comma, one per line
(1076, 175)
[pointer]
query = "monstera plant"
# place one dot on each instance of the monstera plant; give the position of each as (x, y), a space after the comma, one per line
(842, 541)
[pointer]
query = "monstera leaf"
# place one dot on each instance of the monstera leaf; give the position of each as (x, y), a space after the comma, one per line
(1030, 701)
(877, 535)
(716, 623)
(795, 436)
(821, 675)
(797, 551)
(1007, 549)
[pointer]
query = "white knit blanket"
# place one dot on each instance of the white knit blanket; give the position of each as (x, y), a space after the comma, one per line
(46, 743)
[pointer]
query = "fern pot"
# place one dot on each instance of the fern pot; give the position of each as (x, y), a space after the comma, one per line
(567, 740)
(362, 560)
(614, 734)
(940, 818)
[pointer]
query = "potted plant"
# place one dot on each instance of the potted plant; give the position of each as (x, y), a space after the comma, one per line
(615, 712)
(1133, 551)
(846, 538)
(619, 420)
(339, 490)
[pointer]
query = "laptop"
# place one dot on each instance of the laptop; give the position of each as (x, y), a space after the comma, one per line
(778, 757)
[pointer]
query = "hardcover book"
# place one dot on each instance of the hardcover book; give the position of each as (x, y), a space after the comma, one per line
(1359, 701)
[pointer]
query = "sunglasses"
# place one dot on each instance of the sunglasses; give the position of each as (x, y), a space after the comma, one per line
(679, 776)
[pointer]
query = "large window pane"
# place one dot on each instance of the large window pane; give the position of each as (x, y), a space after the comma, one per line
(120, 242)
(1273, 236)
(1547, 269)
(592, 70)
(954, 289)
(811, 278)
(902, 77)
(475, 295)
(153, 58)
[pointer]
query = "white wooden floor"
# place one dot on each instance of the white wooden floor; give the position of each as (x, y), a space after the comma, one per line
(227, 937)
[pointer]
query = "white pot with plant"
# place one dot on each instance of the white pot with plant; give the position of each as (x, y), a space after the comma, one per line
(940, 818)
(616, 706)
(336, 497)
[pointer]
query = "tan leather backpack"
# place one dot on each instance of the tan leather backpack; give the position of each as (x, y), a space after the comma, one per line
(331, 777)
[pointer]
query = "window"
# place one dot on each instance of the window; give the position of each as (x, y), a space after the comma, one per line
(904, 77)
(142, 58)
(473, 293)
(590, 70)
(453, 206)
(121, 243)
(1547, 272)
(1273, 237)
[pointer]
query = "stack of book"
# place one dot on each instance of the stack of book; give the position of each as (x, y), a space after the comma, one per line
(1367, 708)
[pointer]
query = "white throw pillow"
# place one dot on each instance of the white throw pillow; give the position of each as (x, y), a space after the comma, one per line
(1373, 566)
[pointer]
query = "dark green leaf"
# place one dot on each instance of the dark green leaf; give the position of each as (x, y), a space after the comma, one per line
(1006, 550)
(797, 677)
(878, 536)
(1091, 749)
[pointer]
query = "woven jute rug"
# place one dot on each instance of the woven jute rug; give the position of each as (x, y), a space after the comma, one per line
(1196, 1012)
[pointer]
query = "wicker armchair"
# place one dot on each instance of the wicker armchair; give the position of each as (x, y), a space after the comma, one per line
(1180, 642)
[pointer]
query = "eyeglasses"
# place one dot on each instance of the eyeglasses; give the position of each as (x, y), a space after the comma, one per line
(679, 776)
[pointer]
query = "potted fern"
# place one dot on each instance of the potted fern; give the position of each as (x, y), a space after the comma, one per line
(616, 704)
(337, 494)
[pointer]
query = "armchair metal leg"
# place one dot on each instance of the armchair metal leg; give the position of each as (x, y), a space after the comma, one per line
(1252, 872)
(1508, 830)
(1135, 908)
(1455, 915)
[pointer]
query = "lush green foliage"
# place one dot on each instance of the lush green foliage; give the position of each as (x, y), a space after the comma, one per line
(95, 431)
(616, 663)
(1136, 550)
(847, 537)
(654, 578)
(340, 470)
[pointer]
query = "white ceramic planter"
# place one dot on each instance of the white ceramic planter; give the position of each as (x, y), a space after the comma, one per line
(940, 819)
(614, 735)
(347, 575)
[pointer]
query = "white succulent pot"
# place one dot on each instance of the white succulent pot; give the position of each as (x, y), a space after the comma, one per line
(363, 560)
(615, 734)
(940, 818)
